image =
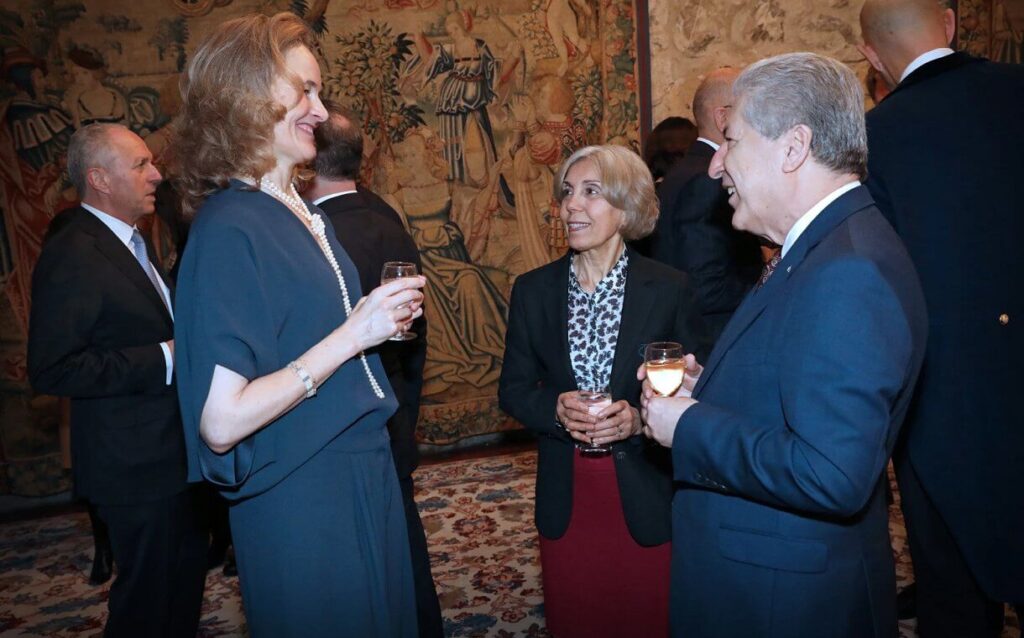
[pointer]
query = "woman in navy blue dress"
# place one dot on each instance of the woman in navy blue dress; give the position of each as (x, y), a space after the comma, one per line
(282, 410)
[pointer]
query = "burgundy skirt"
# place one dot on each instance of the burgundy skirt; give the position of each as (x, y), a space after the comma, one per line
(598, 583)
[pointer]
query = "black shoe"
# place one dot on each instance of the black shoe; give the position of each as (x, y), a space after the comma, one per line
(102, 566)
(906, 603)
(230, 567)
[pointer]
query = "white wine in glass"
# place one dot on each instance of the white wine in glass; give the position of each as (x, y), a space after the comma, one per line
(391, 271)
(665, 366)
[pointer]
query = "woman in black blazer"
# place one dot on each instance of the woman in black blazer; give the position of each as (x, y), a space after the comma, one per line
(581, 322)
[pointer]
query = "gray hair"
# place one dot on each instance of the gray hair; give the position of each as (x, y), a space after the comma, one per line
(626, 184)
(823, 94)
(89, 148)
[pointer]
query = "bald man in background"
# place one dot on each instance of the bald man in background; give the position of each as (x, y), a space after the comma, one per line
(694, 232)
(944, 166)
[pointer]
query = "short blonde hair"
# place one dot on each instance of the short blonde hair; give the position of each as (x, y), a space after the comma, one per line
(626, 184)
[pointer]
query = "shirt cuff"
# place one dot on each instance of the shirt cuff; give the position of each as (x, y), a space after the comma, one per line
(168, 361)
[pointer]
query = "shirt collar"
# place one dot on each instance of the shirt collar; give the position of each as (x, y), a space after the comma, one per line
(122, 230)
(925, 58)
(708, 142)
(805, 220)
(615, 279)
(320, 200)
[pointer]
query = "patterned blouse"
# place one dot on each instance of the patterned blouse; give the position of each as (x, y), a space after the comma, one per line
(594, 320)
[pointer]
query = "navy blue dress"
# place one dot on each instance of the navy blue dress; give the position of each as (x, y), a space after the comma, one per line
(316, 512)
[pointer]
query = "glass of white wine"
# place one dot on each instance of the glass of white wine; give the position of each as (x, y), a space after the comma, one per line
(391, 271)
(665, 366)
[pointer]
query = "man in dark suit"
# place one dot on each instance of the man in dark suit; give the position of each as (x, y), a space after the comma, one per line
(372, 233)
(946, 163)
(694, 232)
(780, 524)
(101, 333)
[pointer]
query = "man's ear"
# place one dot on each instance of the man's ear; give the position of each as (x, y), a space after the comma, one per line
(872, 57)
(949, 22)
(98, 180)
(721, 115)
(797, 147)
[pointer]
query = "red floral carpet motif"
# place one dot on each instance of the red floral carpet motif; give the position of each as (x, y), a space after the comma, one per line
(479, 519)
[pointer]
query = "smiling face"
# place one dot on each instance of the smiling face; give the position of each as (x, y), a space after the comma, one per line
(590, 221)
(293, 136)
(130, 177)
(749, 165)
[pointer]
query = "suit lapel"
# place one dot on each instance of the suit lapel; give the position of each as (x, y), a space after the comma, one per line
(637, 306)
(559, 290)
(121, 256)
(758, 299)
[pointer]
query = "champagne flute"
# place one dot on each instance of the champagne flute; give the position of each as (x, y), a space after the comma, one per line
(665, 366)
(595, 400)
(391, 271)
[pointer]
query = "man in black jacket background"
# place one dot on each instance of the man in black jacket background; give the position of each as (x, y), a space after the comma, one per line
(944, 166)
(372, 233)
(102, 333)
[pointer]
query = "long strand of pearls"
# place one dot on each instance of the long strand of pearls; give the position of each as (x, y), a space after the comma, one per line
(316, 224)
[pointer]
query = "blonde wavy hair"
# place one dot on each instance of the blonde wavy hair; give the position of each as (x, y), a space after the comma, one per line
(626, 184)
(225, 127)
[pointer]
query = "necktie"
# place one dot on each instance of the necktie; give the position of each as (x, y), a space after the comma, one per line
(769, 268)
(142, 256)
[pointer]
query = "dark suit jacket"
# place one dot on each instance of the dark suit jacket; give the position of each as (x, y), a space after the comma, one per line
(94, 335)
(657, 307)
(695, 234)
(780, 525)
(946, 162)
(371, 232)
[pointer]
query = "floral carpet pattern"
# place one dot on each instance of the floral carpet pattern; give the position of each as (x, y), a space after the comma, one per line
(479, 519)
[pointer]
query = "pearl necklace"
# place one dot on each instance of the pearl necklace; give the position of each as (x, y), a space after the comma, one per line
(318, 228)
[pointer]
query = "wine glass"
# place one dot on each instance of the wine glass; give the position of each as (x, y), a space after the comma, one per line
(595, 400)
(391, 271)
(665, 366)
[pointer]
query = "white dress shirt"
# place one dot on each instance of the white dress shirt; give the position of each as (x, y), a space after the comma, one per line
(708, 142)
(320, 200)
(124, 233)
(925, 58)
(805, 220)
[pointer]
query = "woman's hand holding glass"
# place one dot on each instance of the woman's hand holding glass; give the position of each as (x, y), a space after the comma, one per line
(389, 309)
(615, 422)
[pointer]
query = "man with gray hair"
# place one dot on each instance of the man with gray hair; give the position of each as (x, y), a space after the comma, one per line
(945, 168)
(780, 443)
(101, 332)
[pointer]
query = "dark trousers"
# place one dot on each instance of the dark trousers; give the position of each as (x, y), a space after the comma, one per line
(950, 604)
(428, 609)
(160, 553)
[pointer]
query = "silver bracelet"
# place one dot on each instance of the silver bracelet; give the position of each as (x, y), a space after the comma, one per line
(305, 377)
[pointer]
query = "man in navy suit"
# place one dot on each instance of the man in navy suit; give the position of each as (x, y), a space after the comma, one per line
(694, 233)
(780, 525)
(946, 165)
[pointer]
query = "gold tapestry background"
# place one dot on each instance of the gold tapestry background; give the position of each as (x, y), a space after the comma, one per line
(469, 108)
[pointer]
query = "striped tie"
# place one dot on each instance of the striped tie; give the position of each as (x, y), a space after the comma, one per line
(142, 256)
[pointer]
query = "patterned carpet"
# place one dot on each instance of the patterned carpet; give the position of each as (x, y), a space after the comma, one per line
(478, 516)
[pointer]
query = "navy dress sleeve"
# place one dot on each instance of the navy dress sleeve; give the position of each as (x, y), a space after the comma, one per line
(255, 292)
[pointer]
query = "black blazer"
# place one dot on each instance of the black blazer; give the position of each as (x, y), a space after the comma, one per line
(371, 232)
(657, 307)
(94, 335)
(945, 162)
(695, 234)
